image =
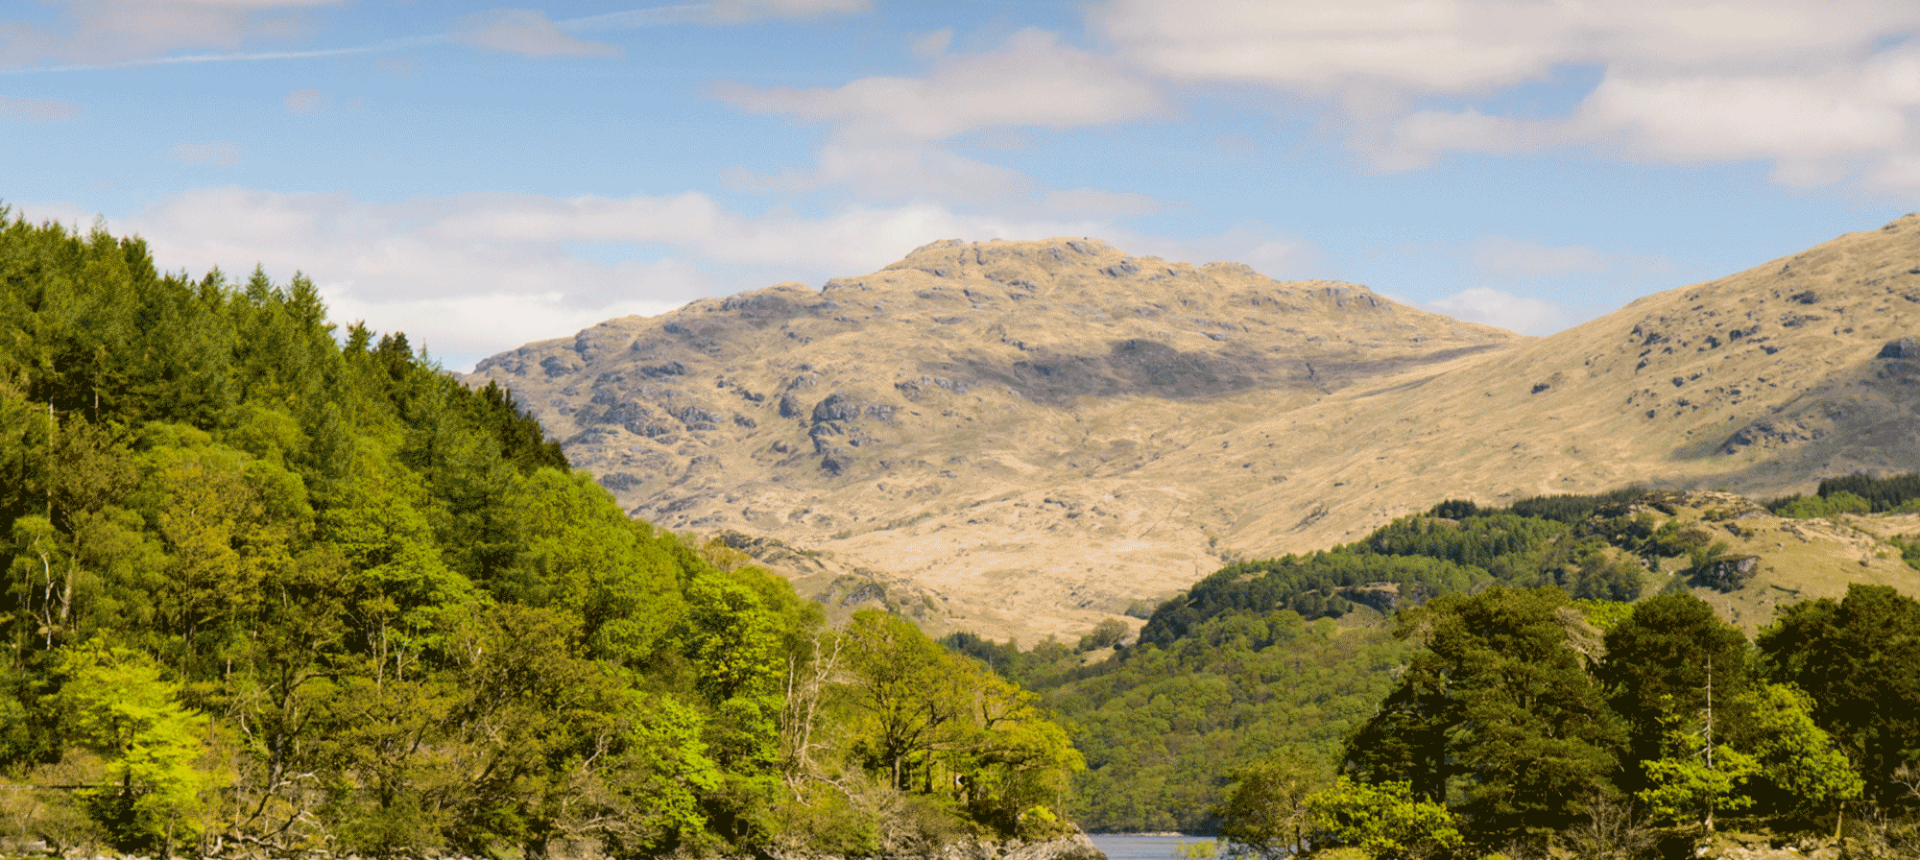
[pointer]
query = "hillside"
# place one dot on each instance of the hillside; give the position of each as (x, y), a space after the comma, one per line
(1031, 436)
(1297, 652)
(971, 416)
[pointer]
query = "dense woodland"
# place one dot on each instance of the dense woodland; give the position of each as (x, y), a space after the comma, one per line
(275, 588)
(1489, 684)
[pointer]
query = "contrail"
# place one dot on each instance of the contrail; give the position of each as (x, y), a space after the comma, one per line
(389, 45)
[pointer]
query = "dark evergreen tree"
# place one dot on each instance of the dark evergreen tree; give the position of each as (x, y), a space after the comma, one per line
(1500, 709)
(1658, 666)
(1856, 657)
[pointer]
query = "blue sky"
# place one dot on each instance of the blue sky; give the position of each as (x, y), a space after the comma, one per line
(481, 177)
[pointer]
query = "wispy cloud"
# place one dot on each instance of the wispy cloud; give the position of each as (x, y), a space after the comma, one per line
(237, 57)
(304, 100)
(95, 33)
(16, 109)
(110, 34)
(1828, 92)
(731, 11)
(528, 33)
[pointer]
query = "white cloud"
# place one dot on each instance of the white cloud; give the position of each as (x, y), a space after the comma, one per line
(884, 129)
(16, 109)
(304, 100)
(1330, 48)
(1826, 91)
(526, 32)
(1510, 258)
(109, 31)
(1478, 46)
(1032, 80)
(221, 152)
(1816, 128)
(1506, 310)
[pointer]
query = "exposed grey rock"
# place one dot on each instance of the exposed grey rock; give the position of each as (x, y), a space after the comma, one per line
(1075, 846)
(1770, 433)
(1905, 347)
(837, 407)
(1729, 574)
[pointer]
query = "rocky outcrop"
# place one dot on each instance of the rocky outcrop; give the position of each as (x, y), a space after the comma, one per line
(1074, 846)
(1728, 574)
(1743, 846)
(1905, 347)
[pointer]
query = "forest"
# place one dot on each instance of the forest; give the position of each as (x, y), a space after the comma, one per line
(274, 587)
(1470, 681)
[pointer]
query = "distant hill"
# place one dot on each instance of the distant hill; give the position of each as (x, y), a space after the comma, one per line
(1028, 437)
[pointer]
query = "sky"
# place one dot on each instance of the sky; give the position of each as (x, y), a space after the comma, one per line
(483, 177)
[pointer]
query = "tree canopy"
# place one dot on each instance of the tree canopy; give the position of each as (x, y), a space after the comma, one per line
(273, 584)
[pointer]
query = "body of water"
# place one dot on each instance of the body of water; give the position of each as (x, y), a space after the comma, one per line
(1141, 846)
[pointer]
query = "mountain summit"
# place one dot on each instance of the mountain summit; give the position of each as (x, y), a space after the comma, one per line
(1036, 434)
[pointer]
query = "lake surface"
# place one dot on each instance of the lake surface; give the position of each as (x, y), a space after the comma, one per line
(1135, 846)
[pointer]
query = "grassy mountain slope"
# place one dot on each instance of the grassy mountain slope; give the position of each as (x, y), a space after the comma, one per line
(1035, 435)
(1760, 382)
(970, 416)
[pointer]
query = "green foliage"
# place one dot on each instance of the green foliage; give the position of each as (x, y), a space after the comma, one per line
(1909, 550)
(1884, 494)
(1229, 669)
(1542, 738)
(115, 703)
(1697, 776)
(1571, 508)
(1796, 756)
(1386, 820)
(1858, 493)
(1205, 849)
(1314, 586)
(1823, 505)
(1267, 815)
(1161, 727)
(935, 724)
(1662, 663)
(1106, 634)
(1855, 658)
(1604, 615)
(273, 589)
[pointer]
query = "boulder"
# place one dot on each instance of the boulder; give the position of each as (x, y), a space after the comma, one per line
(1728, 574)
(1073, 846)
(1905, 347)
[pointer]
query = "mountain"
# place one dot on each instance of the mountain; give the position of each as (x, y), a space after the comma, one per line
(1031, 436)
